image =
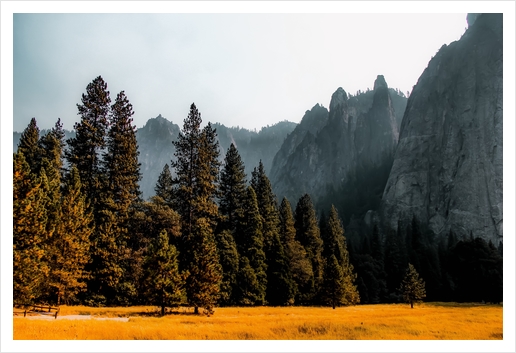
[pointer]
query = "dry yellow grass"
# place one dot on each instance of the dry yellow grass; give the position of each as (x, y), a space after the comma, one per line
(433, 321)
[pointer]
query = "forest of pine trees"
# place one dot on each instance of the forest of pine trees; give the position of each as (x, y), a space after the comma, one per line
(211, 235)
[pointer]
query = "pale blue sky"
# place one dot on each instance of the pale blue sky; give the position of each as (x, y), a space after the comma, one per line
(240, 69)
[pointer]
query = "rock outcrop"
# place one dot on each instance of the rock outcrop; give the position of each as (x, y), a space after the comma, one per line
(448, 166)
(330, 148)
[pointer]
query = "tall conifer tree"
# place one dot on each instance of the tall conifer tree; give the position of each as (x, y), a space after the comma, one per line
(29, 232)
(69, 251)
(308, 234)
(29, 146)
(196, 168)
(250, 245)
(163, 281)
(299, 264)
(84, 150)
(203, 283)
(232, 189)
(336, 249)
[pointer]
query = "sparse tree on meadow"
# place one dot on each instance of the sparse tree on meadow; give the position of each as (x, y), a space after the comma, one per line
(412, 287)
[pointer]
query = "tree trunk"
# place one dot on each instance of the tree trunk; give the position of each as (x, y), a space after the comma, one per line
(163, 310)
(412, 305)
(196, 310)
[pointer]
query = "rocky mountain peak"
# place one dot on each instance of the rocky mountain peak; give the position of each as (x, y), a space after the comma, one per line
(338, 99)
(380, 82)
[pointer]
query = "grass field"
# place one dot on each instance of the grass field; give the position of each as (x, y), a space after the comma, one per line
(430, 321)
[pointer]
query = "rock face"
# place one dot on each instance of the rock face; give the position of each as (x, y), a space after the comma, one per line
(330, 148)
(448, 164)
(156, 149)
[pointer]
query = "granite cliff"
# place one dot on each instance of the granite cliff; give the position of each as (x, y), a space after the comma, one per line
(330, 150)
(448, 166)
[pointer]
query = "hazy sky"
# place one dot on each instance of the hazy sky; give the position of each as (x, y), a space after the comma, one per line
(240, 69)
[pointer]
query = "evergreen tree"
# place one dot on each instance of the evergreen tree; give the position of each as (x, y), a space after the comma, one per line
(336, 247)
(203, 282)
(298, 262)
(412, 287)
(84, 150)
(266, 203)
(52, 146)
(278, 273)
(69, 251)
(333, 284)
(232, 189)
(29, 230)
(120, 177)
(29, 146)
(164, 186)
(280, 285)
(196, 172)
(248, 289)
(163, 281)
(147, 220)
(120, 161)
(308, 234)
(194, 198)
(250, 244)
(228, 256)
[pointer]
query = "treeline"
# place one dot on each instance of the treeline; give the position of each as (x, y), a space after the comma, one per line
(462, 270)
(211, 235)
(82, 234)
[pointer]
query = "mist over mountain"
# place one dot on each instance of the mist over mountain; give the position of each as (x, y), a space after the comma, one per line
(448, 167)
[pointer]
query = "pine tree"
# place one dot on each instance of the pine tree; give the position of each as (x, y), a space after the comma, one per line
(163, 281)
(52, 146)
(228, 256)
(203, 282)
(298, 262)
(266, 203)
(308, 234)
(69, 251)
(280, 285)
(412, 287)
(333, 284)
(164, 186)
(336, 247)
(120, 191)
(196, 169)
(29, 230)
(250, 244)
(85, 148)
(248, 288)
(120, 161)
(232, 189)
(29, 146)
(147, 220)
(195, 193)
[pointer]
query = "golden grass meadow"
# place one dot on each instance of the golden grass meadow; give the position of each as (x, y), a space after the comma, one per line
(428, 321)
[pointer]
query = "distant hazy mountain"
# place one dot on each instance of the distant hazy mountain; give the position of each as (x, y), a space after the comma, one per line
(156, 148)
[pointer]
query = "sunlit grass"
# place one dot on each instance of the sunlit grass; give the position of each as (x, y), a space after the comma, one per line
(432, 321)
